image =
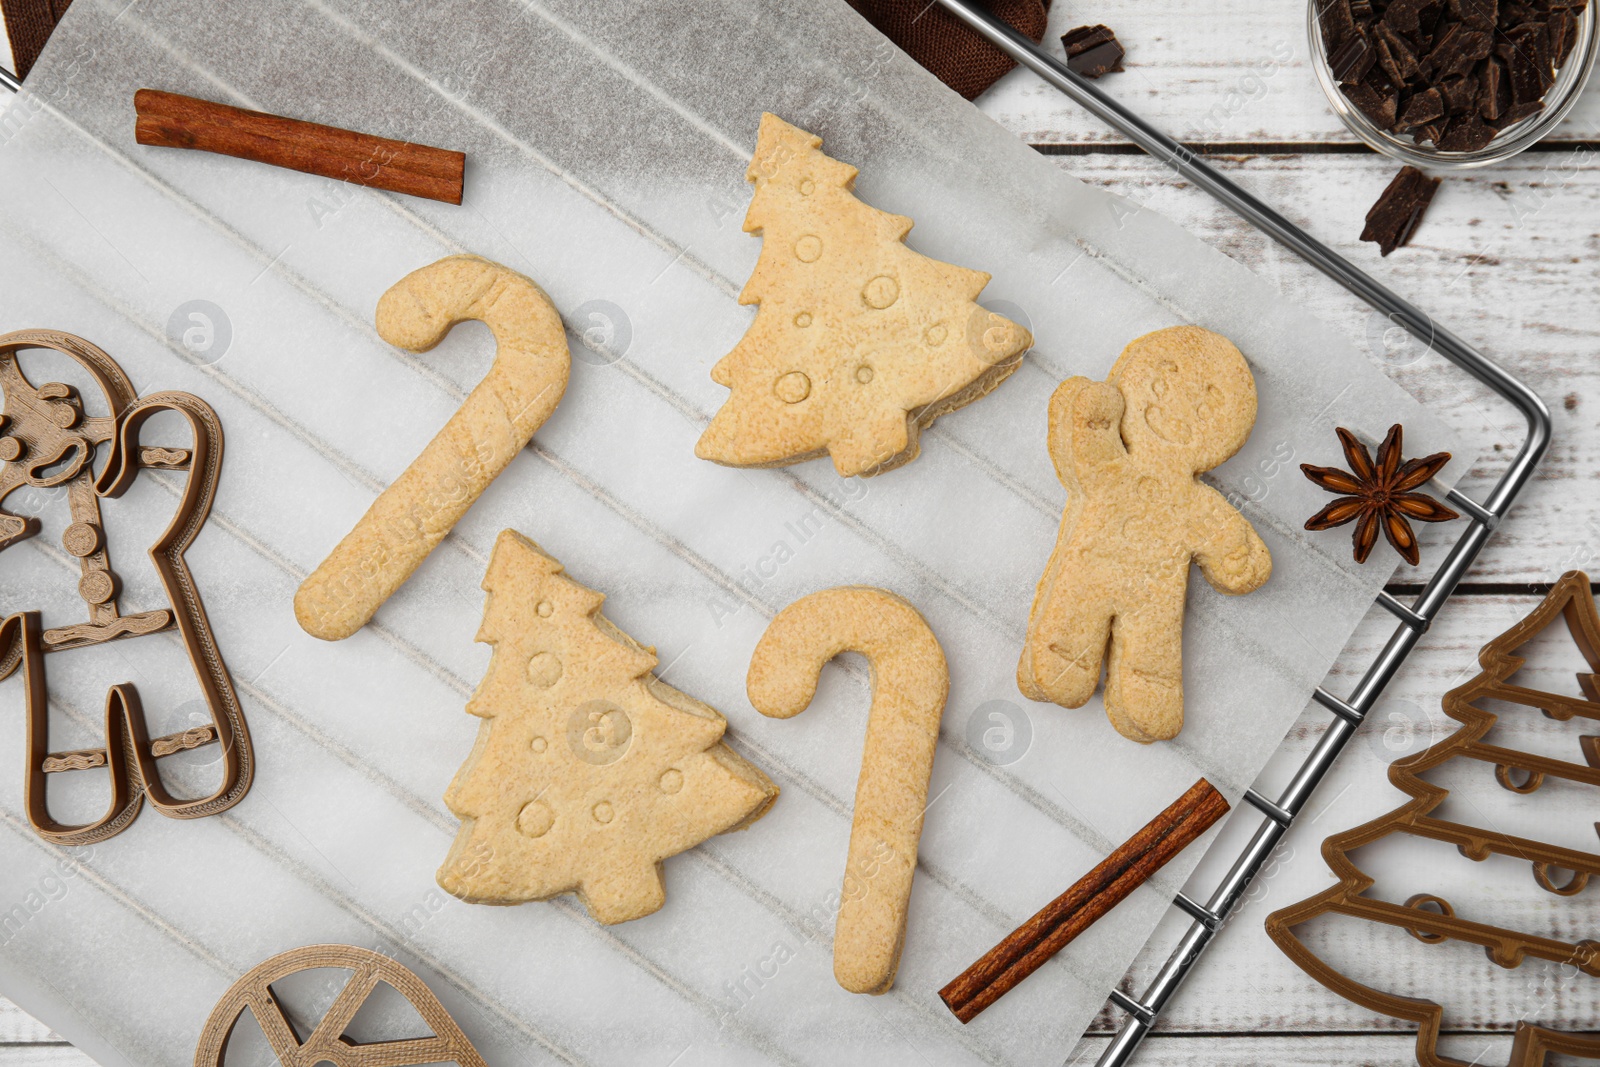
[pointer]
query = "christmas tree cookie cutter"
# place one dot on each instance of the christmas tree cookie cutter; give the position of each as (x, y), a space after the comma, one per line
(910, 681)
(1278, 815)
(495, 422)
(48, 441)
(1429, 917)
(327, 1041)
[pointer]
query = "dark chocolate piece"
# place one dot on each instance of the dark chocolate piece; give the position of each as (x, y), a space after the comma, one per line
(1460, 94)
(1361, 10)
(1527, 86)
(1396, 55)
(1494, 89)
(1337, 22)
(1093, 51)
(1477, 14)
(1394, 218)
(1563, 29)
(1351, 60)
(1403, 14)
(1516, 113)
(1380, 109)
(1421, 109)
(1457, 50)
(1467, 134)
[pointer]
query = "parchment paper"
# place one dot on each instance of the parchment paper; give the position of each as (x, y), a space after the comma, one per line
(607, 143)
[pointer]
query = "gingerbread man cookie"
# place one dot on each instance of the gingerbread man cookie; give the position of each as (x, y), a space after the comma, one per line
(1177, 402)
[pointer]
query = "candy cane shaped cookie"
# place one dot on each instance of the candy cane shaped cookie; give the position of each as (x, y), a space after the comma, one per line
(494, 423)
(909, 685)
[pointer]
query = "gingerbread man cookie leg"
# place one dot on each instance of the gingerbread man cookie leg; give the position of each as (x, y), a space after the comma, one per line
(1070, 624)
(1144, 672)
(910, 683)
(1128, 451)
(496, 421)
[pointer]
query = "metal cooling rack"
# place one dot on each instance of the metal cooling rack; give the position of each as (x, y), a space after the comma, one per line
(1278, 815)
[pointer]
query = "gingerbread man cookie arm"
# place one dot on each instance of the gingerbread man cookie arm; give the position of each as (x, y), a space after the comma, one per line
(910, 683)
(494, 423)
(1230, 553)
(1085, 438)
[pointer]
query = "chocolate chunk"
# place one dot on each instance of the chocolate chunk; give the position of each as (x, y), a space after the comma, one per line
(1563, 29)
(1380, 81)
(1460, 94)
(1403, 14)
(1395, 54)
(1351, 60)
(1421, 109)
(1467, 134)
(1430, 133)
(1477, 14)
(1376, 106)
(1336, 21)
(1494, 89)
(1093, 51)
(1457, 49)
(1516, 113)
(1394, 218)
(1361, 10)
(1532, 41)
(1527, 86)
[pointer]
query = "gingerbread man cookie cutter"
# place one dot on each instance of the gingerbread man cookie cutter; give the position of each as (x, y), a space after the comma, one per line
(494, 423)
(910, 683)
(48, 441)
(327, 1041)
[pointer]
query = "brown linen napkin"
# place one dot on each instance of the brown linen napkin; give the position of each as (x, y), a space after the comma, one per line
(28, 25)
(946, 45)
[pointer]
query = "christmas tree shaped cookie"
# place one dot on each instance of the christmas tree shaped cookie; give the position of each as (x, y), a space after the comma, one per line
(588, 771)
(858, 342)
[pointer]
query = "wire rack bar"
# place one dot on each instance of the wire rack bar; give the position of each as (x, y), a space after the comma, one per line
(1279, 815)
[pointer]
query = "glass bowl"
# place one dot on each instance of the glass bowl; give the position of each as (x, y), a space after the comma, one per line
(1569, 83)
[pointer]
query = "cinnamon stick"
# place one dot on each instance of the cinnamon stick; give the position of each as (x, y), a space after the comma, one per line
(168, 120)
(1026, 948)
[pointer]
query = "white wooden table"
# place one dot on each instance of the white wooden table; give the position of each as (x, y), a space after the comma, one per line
(1507, 258)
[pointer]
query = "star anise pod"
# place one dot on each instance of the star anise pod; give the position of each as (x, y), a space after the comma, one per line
(1379, 495)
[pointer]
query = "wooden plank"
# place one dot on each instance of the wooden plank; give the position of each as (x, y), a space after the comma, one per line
(1503, 259)
(17, 1027)
(1226, 71)
(43, 1056)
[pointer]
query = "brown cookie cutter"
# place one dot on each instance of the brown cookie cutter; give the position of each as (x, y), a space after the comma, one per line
(327, 1042)
(47, 441)
(1430, 918)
